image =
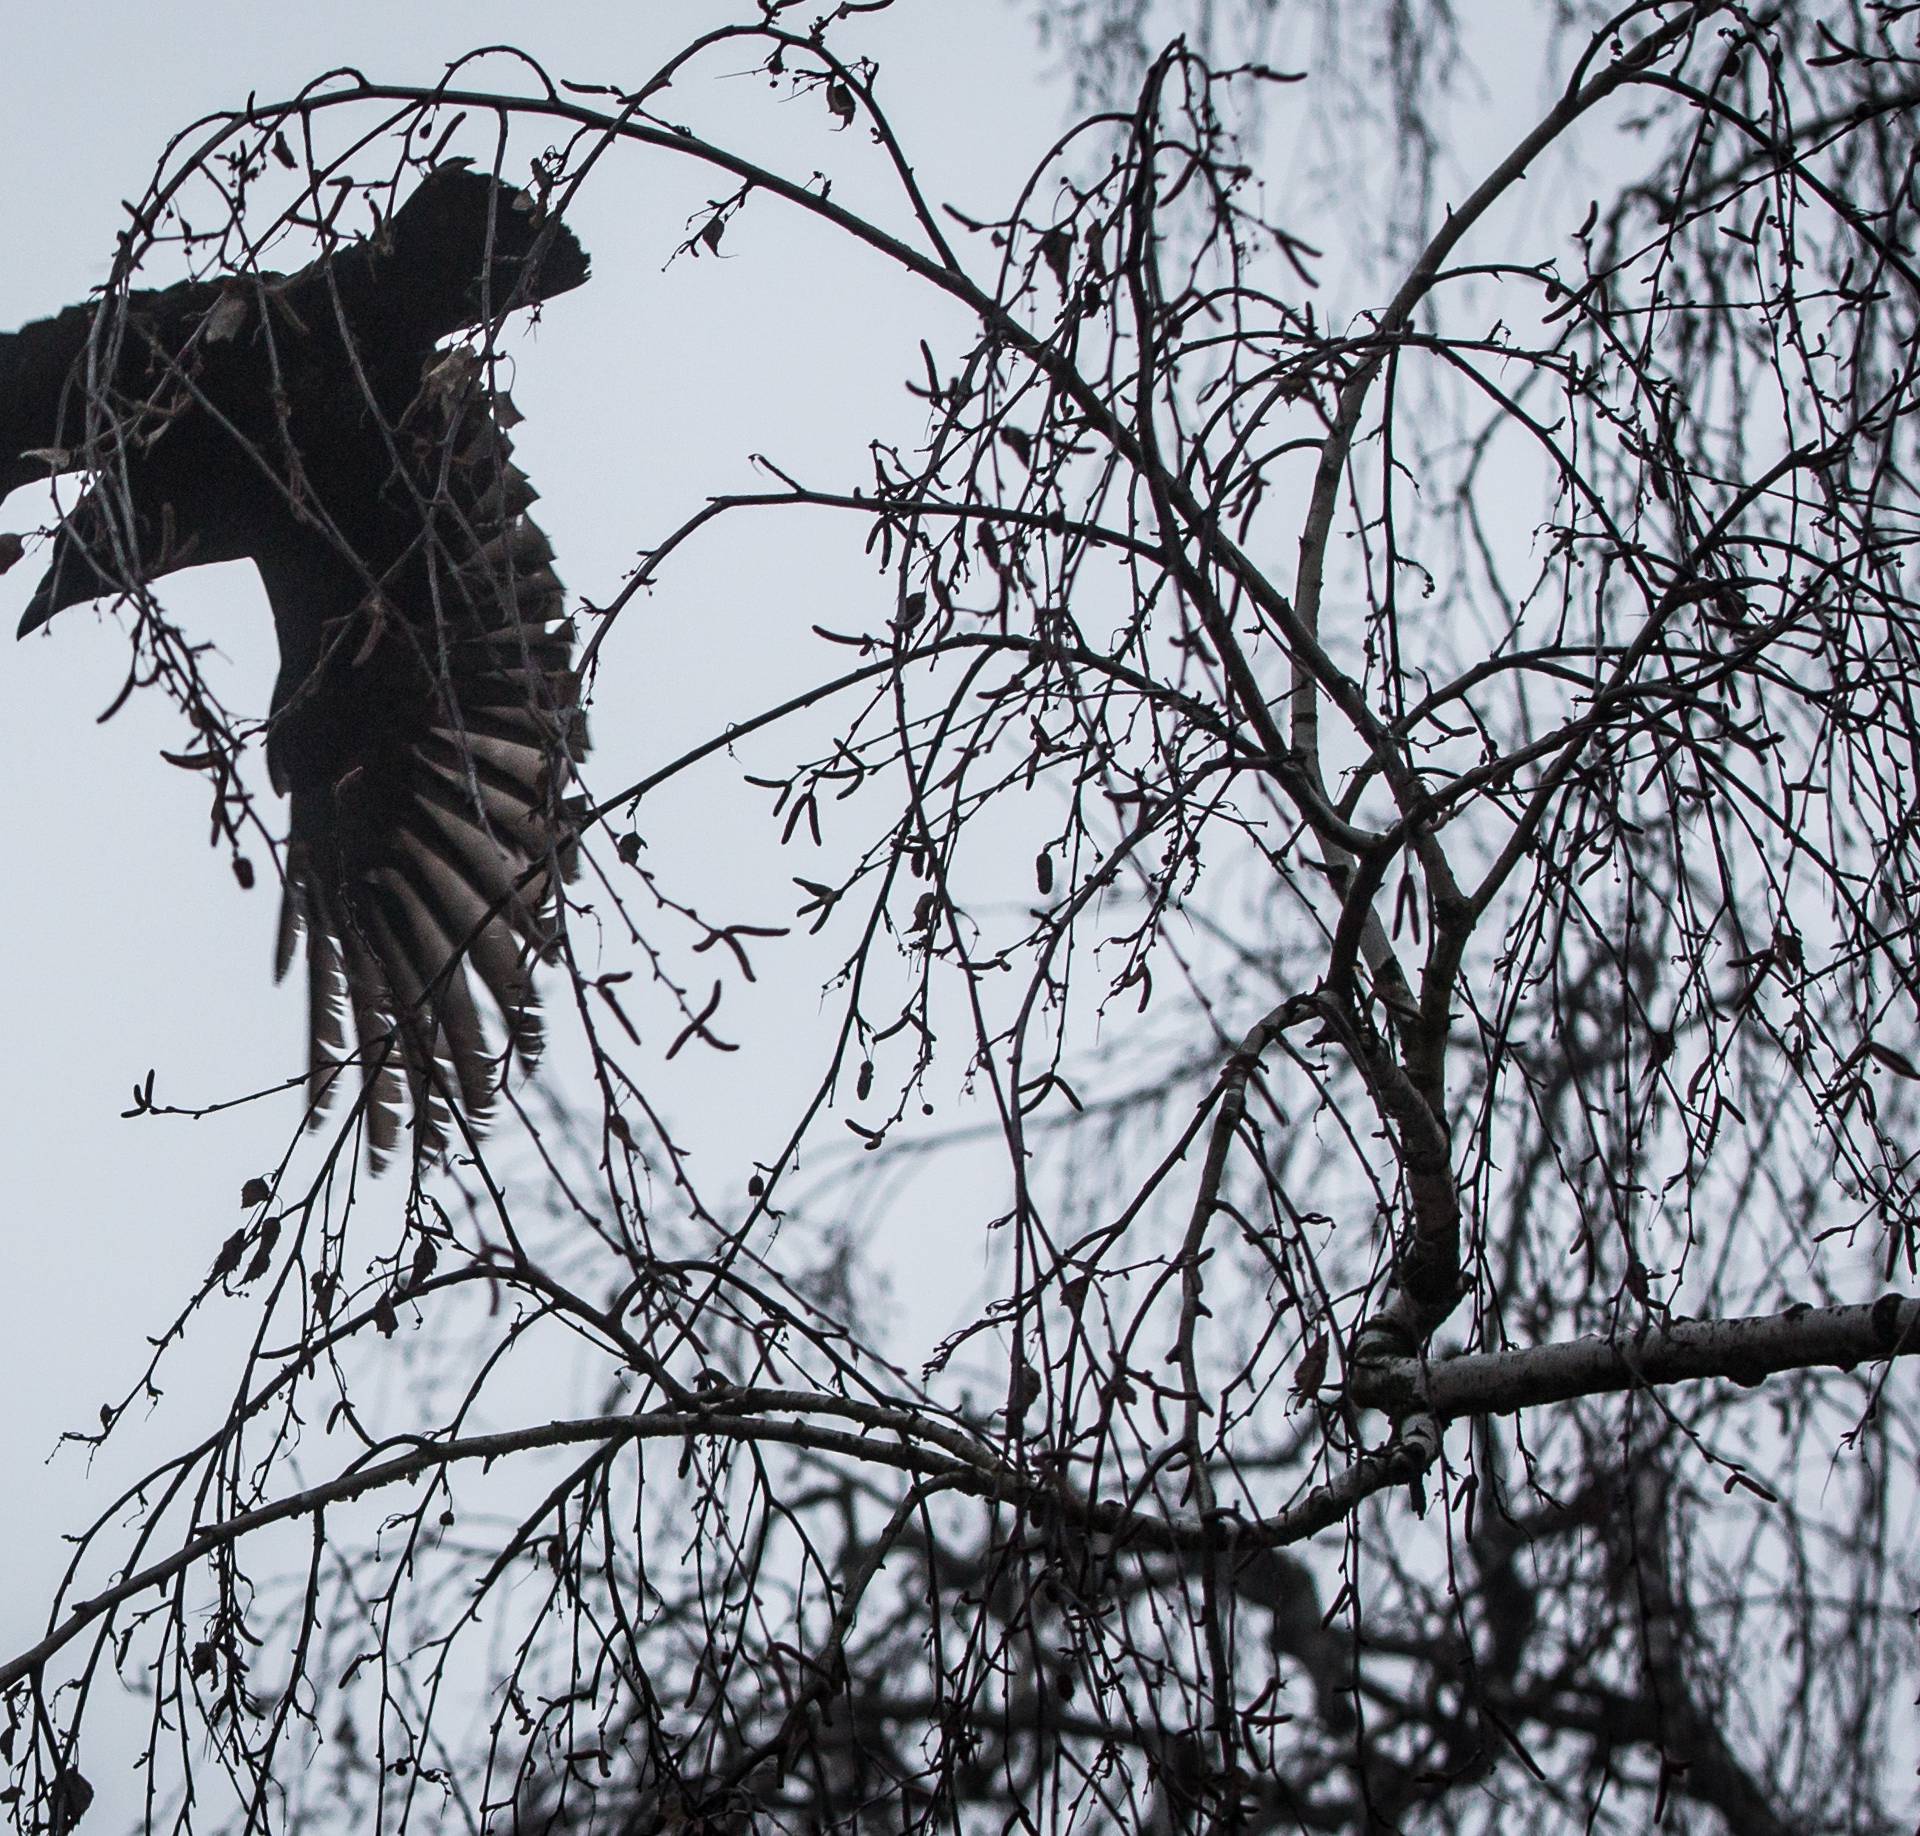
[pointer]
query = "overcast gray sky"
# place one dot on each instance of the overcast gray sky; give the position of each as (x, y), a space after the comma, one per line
(129, 944)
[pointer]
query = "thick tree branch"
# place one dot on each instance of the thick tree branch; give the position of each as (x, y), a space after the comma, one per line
(1746, 1351)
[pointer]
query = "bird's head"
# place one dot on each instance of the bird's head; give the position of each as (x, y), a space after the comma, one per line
(441, 238)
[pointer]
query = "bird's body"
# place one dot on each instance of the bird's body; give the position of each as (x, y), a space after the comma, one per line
(425, 720)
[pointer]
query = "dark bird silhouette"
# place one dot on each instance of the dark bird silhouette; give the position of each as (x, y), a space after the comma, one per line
(426, 719)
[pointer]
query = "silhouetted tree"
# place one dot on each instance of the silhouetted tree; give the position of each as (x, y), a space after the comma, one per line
(1370, 843)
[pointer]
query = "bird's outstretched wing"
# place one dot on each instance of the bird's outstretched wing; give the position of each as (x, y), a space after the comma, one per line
(428, 751)
(426, 720)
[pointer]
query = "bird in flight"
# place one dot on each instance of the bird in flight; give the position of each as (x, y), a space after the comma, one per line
(426, 723)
